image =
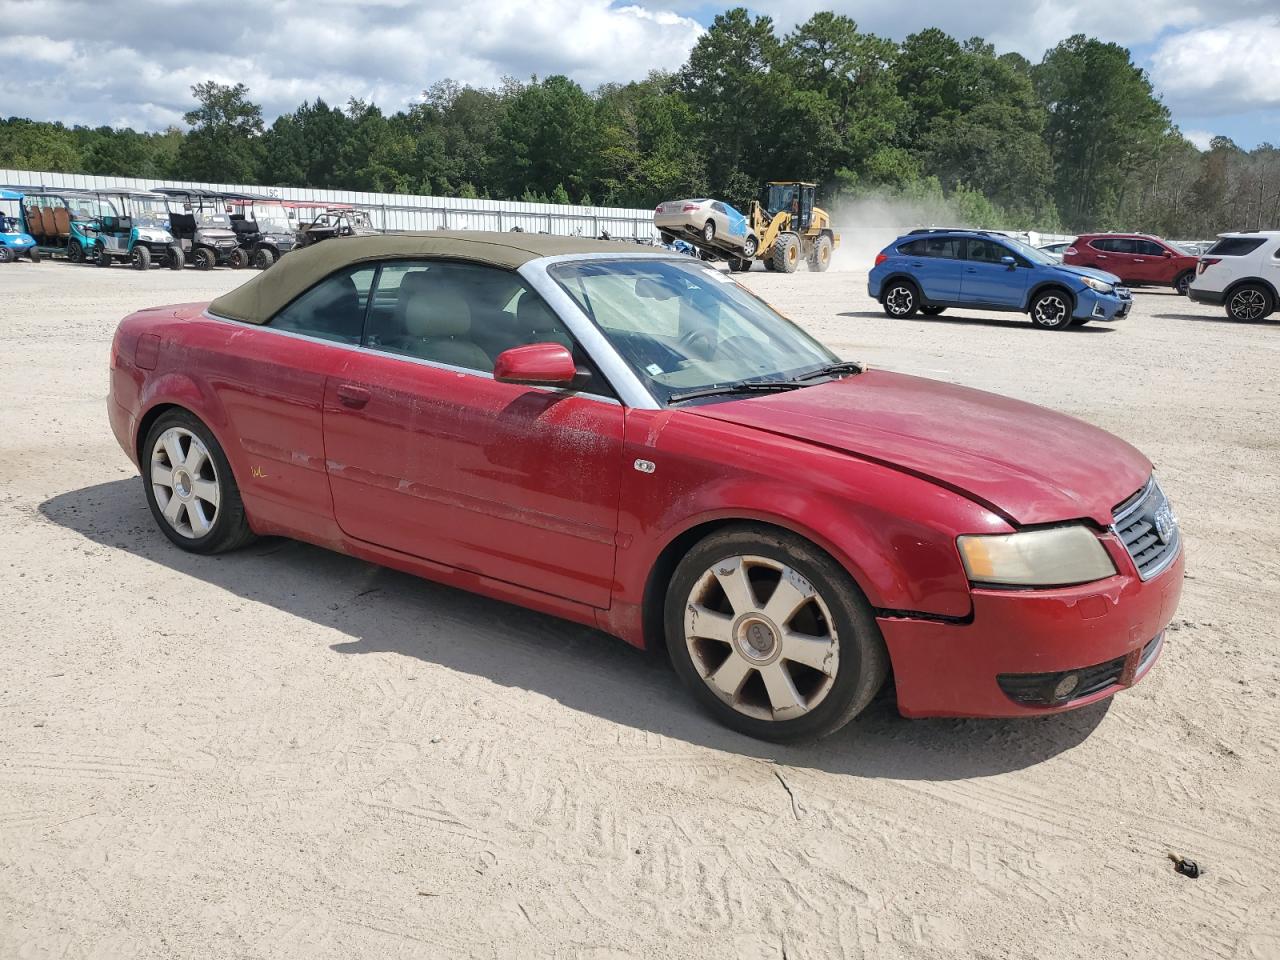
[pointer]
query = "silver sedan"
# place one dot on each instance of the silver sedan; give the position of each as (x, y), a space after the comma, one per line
(708, 223)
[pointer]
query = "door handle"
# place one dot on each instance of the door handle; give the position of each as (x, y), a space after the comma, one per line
(915, 264)
(972, 270)
(1136, 260)
(1102, 256)
(352, 396)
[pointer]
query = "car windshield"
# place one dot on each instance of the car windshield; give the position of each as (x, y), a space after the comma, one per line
(271, 216)
(212, 217)
(1031, 253)
(149, 212)
(685, 327)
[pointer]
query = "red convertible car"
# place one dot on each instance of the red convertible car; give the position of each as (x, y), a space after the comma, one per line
(634, 441)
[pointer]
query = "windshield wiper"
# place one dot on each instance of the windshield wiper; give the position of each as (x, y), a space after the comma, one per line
(831, 370)
(742, 386)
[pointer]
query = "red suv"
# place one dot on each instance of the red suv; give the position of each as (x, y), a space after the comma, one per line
(1135, 258)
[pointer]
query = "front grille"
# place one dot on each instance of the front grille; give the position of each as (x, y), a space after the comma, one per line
(1148, 529)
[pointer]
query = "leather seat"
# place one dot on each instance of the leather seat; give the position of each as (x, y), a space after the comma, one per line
(62, 221)
(436, 320)
(48, 226)
(35, 223)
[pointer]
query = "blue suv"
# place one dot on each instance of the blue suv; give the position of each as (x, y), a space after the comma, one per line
(931, 270)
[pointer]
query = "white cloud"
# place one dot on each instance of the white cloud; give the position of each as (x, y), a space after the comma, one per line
(1220, 69)
(97, 64)
(1200, 138)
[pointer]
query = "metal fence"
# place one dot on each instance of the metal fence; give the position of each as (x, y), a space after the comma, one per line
(394, 211)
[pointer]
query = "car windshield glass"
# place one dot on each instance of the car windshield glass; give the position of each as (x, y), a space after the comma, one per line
(270, 216)
(1031, 253)
(685, 327)
(148, 212)
(212, 217)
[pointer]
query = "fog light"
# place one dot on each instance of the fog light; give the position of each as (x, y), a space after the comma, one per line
(1066, 686)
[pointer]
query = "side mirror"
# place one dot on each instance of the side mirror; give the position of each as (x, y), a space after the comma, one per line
(538, 364)
(1009, 262)
(1168, 255)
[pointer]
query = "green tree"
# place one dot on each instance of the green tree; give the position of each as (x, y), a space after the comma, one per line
(29, 145)
(551, 135)
(1104, 122)
(223, 144)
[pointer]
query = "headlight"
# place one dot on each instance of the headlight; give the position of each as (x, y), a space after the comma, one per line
(1055, 557)
(1093, 283)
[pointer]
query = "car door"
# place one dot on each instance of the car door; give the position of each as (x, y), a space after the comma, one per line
(987, 280)
(936, 264)
(270, 382)
(1115, 255)
(428, 455)
(1150, 263)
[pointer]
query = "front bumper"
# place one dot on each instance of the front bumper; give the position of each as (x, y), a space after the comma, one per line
(21, 242)
(1214, 298)
(1091, 305)
(946, 669)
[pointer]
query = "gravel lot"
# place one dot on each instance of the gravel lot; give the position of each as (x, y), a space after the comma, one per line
(285, 753)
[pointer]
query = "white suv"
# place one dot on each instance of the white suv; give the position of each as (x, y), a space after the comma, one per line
(1242, 273)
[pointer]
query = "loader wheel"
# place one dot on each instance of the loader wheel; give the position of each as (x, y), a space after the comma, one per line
(821, 259)
(786, 253)
(768, 263)
(709, 232)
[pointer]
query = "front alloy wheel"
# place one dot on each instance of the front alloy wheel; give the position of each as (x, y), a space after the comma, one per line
(1051, 311)
(771, 635)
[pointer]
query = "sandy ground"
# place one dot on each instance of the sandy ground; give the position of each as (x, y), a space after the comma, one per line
(285, 753)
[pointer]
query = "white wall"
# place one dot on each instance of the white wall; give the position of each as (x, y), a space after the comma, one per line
(392, 211)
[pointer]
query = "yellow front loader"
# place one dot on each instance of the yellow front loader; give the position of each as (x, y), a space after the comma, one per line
(789, 228)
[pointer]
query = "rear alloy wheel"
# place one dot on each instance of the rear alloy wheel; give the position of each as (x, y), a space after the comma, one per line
(1183, 283)
(786, 253)
(238, 259)
(140, 257)
(205, 259)
(1051, 310)
(190, 489)
(75, 253)
(709, 231)
(821, 259)
(772, 636)
(264, 258)
(901, 300)
(1250, 302)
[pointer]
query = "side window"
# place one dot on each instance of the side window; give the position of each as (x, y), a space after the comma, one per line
(945, 248)
(718, 207)
(1106, 246)
(913, 249)
(464, 315)
(333, 309)
(1147, 248)
(986, 251)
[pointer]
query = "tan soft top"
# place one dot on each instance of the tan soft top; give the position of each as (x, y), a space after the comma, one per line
(258, 300)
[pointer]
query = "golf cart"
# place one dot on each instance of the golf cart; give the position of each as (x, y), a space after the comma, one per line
(59, 221)
(15, 242)
(132, 225)
(334, 222)
(199, 222)
(263, 227)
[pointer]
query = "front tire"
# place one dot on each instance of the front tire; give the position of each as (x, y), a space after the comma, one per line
(1249, 303)
(140, 258)
(264, 258)
(901, 300)
(786, 253)
(205, 259)
(772, 636)
(75, 253)
(1051, 310)
(190, 489)
(6, 255)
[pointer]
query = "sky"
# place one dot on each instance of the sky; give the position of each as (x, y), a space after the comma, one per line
(123, 63)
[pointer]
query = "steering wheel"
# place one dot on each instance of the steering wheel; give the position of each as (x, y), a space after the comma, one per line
(696, 343)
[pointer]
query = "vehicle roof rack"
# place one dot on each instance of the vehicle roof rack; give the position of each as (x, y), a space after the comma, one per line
(919, 230)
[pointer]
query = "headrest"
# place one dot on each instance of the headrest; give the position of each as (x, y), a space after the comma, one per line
(533, 314)
(433, 309)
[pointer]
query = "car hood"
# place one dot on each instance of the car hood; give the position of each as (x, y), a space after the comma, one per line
(1024, 462)
(1087, 272)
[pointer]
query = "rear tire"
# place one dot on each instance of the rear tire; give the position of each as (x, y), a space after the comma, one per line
(175, 260)
(140, 258)
(901, 300)
(820, 262)
(1051, 310)
(786, 253)
(1250, 303)
(101, 257)
(183, 463)
(932, 311)
(1183, 283)
(34, 255)
(797, 669)
(709, 231)
(238, 259)
(739, 265)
